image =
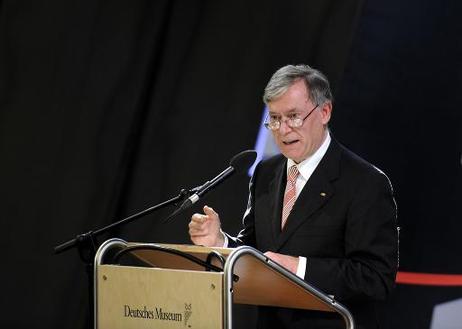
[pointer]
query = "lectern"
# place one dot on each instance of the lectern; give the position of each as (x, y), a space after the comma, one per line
(140, 285)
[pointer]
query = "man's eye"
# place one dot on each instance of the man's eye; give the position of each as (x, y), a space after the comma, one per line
(293, 116)
(274, 118)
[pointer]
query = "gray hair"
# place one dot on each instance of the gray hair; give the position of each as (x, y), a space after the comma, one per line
(316, 83)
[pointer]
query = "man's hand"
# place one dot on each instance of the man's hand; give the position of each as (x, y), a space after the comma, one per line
(289, 262)
(204, 230)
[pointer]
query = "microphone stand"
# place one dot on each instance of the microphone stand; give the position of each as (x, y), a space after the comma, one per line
(86, 242)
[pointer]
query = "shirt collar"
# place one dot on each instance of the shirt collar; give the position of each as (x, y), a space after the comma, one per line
(307, 166)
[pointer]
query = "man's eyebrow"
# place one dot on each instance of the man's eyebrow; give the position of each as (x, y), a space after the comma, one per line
(285, 112)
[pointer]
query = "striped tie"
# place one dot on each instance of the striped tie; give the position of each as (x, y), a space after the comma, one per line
(290, 194)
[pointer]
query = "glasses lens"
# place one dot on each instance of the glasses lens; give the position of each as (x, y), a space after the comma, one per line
(294, 123)
(272, 124)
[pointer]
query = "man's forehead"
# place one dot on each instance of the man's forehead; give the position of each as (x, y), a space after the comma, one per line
(287, 108)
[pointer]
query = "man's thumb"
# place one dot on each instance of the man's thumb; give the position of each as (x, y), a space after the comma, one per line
(209, 211)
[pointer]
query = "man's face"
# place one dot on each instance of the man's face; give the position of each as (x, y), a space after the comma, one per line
(299, 143)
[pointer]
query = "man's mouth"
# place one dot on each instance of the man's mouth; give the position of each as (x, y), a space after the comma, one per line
(290, 142)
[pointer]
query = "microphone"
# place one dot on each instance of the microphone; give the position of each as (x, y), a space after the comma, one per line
(239, 163)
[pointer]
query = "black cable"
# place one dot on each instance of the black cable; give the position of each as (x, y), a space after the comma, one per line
(191, 258)
(217, 255)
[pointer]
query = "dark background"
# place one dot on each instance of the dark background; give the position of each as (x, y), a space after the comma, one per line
(108, 107)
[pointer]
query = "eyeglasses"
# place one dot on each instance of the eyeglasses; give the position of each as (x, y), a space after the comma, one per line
(293, 121)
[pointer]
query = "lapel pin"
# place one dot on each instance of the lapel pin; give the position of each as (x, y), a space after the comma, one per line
(323, 194)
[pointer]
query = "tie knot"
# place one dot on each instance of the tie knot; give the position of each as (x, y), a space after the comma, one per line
(293, 173)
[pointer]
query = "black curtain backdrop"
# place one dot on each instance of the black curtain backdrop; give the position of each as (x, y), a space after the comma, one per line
(399, 106)
(112, 106)
(108, 107)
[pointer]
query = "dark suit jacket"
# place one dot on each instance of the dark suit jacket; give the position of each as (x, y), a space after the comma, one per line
(343, 222)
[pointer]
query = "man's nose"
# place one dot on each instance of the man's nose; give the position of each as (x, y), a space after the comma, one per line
(284, 127)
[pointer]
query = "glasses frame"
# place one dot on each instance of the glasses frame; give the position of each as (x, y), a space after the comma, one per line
(289, 122)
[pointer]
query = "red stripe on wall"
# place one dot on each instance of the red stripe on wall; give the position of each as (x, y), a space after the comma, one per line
(427, 279)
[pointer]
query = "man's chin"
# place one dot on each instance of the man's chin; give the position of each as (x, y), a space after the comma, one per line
(295, 156)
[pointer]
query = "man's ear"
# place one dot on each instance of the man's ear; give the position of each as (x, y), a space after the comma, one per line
(326, 111)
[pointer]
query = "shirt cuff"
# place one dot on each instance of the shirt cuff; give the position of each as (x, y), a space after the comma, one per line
(301, 268)
(225, 245)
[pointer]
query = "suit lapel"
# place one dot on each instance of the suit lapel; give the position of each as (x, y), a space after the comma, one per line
(317, 191)
(277, 186)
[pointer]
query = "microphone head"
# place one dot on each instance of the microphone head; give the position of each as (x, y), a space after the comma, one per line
(243, 160)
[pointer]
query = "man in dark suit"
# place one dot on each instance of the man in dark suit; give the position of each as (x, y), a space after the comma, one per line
(318, 209)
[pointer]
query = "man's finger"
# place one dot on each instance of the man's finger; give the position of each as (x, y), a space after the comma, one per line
(196, 233)
(209, 211)
(198, 218)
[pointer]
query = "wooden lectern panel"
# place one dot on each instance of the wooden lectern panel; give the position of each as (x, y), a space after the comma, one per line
(137, 298)
(261, 285)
